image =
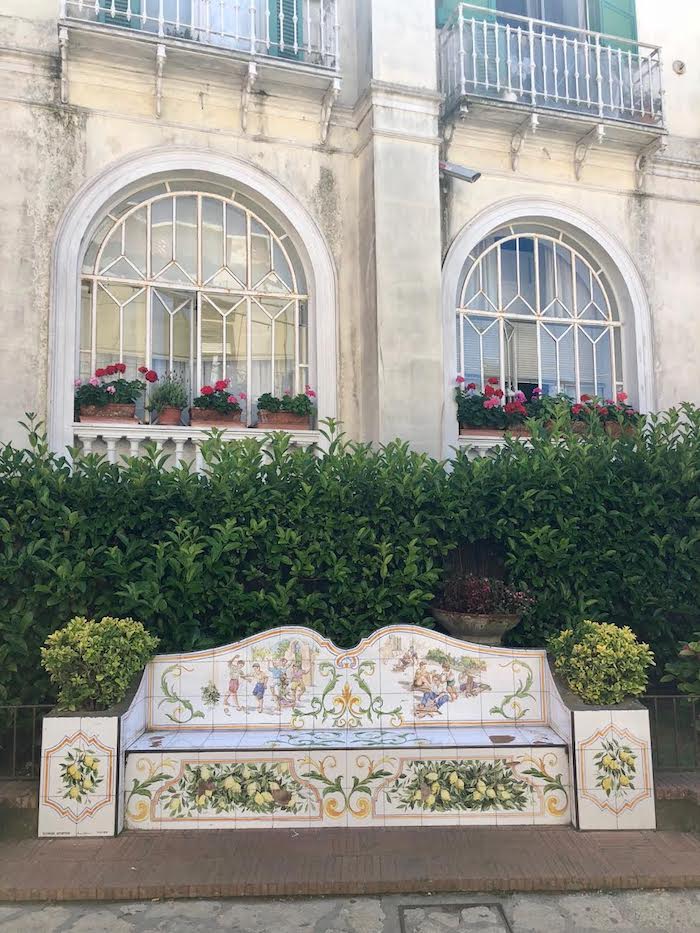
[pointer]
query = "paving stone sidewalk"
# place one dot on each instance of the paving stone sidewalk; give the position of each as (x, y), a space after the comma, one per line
(641, 912)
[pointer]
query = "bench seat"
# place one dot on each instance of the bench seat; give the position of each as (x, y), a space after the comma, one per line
(489, 736)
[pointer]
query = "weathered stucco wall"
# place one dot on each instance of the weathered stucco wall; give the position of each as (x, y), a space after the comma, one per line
(372, 190)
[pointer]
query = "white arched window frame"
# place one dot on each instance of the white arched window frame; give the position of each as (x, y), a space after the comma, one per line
(535, 309)
(100, 194)
(627, 284)
(198, 280)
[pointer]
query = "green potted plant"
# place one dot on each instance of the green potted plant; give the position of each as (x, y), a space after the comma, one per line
(290, 411)
(602, 663)
(480, 609)
(686, 670)
(216, 406)
(167, 401)
(616, 417)
(485, 412)
(103, 399)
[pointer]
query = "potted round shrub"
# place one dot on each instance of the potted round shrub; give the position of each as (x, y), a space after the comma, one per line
(167, 401)
(217, 407)
(288, 412)
(601, 663)
(104, 399)
(480, 609)
(484, 412)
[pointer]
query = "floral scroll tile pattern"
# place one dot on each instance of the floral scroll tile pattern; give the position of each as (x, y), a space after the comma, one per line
(78, 777)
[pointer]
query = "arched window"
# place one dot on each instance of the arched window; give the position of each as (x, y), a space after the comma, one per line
(534, 309)
(199, 280)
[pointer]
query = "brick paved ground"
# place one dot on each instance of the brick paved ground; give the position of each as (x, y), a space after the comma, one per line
(277, 863)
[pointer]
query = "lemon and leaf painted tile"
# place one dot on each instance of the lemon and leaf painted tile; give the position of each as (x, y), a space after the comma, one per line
(615, 768)
(445, 786)
(80, 775)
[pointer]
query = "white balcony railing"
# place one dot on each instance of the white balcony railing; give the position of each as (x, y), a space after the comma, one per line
(549, 66)
(291, 30)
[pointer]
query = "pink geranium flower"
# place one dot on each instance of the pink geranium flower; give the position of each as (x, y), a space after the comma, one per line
(243, 396)
(491, 403)
(94, 381)
(231, 399)
(77, 382)
(111, 390)
(459, 379)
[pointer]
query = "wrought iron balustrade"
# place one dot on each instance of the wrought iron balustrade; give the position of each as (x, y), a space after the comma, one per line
(543, 65)
(291, 30)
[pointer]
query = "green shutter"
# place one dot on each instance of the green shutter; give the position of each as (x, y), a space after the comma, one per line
(282, 28)
(445, 8)
(614, 18)
(120, 17)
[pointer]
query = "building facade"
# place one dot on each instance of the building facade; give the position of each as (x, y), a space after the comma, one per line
(252, 190)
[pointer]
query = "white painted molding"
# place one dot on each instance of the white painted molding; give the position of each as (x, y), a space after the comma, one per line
(106, 189)
(608, 249)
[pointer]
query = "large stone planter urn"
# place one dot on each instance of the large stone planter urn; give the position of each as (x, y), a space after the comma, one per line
(482, 629)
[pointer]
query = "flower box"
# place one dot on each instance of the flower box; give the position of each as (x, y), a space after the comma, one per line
(280, 420)
(615, 429)
(111, 413)
(516, 430)
(216, 419)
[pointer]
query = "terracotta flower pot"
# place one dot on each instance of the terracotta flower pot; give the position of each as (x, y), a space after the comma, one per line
(111, 413)
(169, 415)
(578, 427)
(283, 420)
(615, 429)
(215, 419)
(482, 629)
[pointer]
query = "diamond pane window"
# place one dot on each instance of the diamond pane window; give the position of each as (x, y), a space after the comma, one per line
(535, 310)
(197, 280)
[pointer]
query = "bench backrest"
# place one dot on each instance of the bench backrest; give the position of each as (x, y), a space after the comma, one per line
(293, 678)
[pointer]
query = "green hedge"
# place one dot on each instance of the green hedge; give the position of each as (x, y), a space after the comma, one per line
(347, 542)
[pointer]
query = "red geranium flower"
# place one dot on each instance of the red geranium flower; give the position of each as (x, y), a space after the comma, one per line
(143, 369)
(120, 367)
(220, 385)
(489, 391)
(498, 393)
(576, 409)
(585, 398)
(151, 376)
(622, 396)
(206, 390)
(602, 410)
(111, 369)
(459, 379)
(472, 385)
(100, 373)
(493, 380)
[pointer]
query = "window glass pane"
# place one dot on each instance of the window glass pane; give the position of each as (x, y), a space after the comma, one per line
(91, 253)
(261, 351)
(84, 365)
(558, 359)
(521, 356)
(161, 234)
(160, 331)
(212, 328)
(480, 349)
(134, 333)
(509, 272)
(112, 249)
(284, 351)
(212, 237)
(526, 264)
(260, 252)
(236, 248)
(586, 354)
(583, 288)
(186, 234)
(107, 326)
(236, 348)
(182, 345)
(135, 240)
(303, 335)
(281, 267)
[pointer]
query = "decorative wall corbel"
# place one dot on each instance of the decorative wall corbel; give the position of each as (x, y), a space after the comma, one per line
(517, 141)
(248, 85)
(160, 64)
(329, 99)
(584, 145)
(645, 154)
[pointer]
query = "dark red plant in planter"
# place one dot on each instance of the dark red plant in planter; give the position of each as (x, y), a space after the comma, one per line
(289, 412)
(112, 401)
(217, 407)
(480, 609)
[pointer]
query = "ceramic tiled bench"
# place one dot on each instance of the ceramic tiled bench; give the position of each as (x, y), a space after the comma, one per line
(284, 729)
